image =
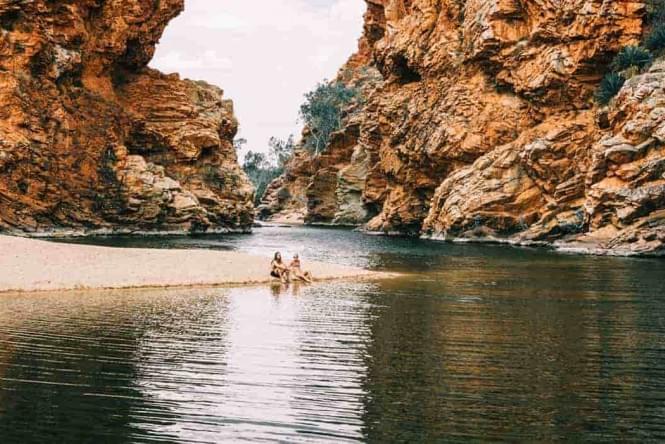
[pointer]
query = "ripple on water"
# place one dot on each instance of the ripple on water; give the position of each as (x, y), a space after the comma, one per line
(473, 343)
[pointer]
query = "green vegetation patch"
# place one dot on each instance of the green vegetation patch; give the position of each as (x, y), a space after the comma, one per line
(631, 56)
(263, 168)
(609, 87)
(323, 112)
(655, 40)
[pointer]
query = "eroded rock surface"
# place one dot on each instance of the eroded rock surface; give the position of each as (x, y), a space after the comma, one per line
(328, 188)
(484, 127)
(90, 138)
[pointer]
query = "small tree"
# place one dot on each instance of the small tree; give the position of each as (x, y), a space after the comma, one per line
(263, 168)
(260, 172)
(323, 111)
(255, 162)
(281, 150)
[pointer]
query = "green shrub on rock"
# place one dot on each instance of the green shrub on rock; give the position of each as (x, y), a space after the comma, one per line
(631, 56)
(655, 41)
(609, 87)
(655, 11)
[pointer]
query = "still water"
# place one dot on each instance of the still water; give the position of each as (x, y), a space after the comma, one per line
(472, 343)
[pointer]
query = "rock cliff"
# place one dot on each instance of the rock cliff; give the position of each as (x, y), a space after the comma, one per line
(92, 139)
(328, 188)
(484, 127)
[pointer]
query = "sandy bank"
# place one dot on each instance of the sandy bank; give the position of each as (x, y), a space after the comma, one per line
(34, 265)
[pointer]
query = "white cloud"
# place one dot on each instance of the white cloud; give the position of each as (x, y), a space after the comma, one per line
(207, 60)
(215, 20)
(264, 53)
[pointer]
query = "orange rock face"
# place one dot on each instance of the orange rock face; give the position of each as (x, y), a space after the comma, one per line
(484, 127)
(90, 138)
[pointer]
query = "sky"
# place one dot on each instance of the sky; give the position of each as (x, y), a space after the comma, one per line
(264, 54)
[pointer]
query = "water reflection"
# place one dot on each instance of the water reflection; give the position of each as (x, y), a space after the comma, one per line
(61, 365)
(184, 366)
(541, 369)
(471, 344)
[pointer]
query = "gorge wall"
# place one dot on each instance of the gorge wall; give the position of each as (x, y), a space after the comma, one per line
(483, 126)
(92, 139)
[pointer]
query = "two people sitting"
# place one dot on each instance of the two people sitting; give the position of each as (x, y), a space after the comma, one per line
(281, 271)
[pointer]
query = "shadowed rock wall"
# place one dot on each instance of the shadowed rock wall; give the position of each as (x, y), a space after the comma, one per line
(90, 138)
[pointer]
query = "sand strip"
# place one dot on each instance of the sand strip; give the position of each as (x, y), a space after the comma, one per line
(30, 265)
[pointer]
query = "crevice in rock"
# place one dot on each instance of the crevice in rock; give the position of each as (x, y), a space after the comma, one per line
(134, 56)
(120, 76)
(143, 142)
(70, 79)
(404, 72)
(9, 19)
(41, 62)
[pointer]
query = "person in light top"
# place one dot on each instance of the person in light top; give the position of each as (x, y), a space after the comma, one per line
(297, 272)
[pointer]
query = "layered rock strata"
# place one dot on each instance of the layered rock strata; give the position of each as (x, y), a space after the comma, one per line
(484, 127)
(328, 188)
(92, 139)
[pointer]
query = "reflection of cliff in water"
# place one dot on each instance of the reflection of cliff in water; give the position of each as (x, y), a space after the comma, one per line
(75, 366)
(470, 343)
(470, 353)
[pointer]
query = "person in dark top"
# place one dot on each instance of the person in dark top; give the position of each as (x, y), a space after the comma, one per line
(278, 269)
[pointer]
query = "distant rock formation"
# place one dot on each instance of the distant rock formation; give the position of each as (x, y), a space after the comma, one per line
(484, 128)
(328, 188)
(92, 139)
